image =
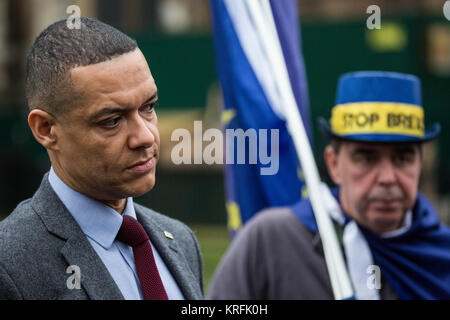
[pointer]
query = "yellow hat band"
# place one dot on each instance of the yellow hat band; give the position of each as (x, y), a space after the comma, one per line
(378, 118)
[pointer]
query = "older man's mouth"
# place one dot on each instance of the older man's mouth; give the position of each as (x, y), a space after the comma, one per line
(389, 206)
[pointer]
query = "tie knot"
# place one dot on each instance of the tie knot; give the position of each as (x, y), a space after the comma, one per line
(131, 232)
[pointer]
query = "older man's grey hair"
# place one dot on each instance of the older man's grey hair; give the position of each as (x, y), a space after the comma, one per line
(57, 50)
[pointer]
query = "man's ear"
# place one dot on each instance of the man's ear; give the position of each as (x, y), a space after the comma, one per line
(42, 124)
(331, 160)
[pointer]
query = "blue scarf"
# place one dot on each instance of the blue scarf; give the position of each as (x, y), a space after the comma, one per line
(416, 263)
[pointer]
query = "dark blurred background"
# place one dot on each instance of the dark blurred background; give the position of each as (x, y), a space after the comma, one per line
(175, 36)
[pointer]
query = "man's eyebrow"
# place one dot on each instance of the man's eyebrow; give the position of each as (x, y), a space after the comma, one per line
(405, 149)
(112, 110)
(363, 150)
(107, 111)
(155, 95)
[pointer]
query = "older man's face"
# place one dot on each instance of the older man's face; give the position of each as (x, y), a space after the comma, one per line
(108, 147)
(378, 182)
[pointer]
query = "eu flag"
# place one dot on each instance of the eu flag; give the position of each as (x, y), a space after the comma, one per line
(252, 101)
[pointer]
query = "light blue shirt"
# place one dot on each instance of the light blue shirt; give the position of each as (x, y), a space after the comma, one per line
(101, 224)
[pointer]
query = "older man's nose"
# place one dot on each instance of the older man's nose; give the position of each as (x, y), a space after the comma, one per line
(386, 172)
(141, 135)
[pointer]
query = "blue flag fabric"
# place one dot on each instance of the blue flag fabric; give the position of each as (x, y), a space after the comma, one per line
(416, 263)
(251, 101)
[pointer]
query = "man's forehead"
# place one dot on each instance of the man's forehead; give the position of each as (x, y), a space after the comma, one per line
(380, 147)
(124, 80)
(120, 70)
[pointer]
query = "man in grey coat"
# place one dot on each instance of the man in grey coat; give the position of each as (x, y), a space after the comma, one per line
(91, 96)
(393, 243)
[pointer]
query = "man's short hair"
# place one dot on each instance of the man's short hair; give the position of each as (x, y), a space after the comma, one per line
(57, 50)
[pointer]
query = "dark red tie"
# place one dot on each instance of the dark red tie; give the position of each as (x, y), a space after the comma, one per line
(133, 234)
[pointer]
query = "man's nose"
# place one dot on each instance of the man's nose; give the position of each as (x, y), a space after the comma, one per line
(386, 172)
(141, 135)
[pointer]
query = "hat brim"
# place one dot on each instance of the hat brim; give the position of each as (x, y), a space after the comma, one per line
(430, 133)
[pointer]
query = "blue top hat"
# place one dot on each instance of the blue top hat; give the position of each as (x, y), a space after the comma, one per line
(378, 106)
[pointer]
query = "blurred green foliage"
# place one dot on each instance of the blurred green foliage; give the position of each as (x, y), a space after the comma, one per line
(213, 240)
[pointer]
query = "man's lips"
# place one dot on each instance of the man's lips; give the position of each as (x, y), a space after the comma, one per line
(386, 206)
(143, 166)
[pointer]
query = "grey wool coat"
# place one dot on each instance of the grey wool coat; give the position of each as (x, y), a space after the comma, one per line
(40, 239)
(275, 257)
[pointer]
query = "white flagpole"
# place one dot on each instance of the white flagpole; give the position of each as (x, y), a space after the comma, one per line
(261, 13)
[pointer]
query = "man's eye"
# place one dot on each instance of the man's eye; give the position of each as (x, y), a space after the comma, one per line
(148, 108)
(401, 159)
(110, 123)
(364, 159)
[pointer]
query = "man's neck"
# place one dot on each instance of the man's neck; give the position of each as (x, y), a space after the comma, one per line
(118, 205)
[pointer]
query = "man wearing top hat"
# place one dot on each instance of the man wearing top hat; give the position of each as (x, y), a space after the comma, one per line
(393, 243)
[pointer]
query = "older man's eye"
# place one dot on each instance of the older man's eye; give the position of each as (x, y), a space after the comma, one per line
(364, 159)
(402, 159)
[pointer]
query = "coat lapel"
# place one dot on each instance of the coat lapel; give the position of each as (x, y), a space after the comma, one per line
(77, 250)
(172, 256)
(95, 278)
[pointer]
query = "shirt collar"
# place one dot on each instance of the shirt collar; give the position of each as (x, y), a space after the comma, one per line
(98, 221)
(407, 222)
